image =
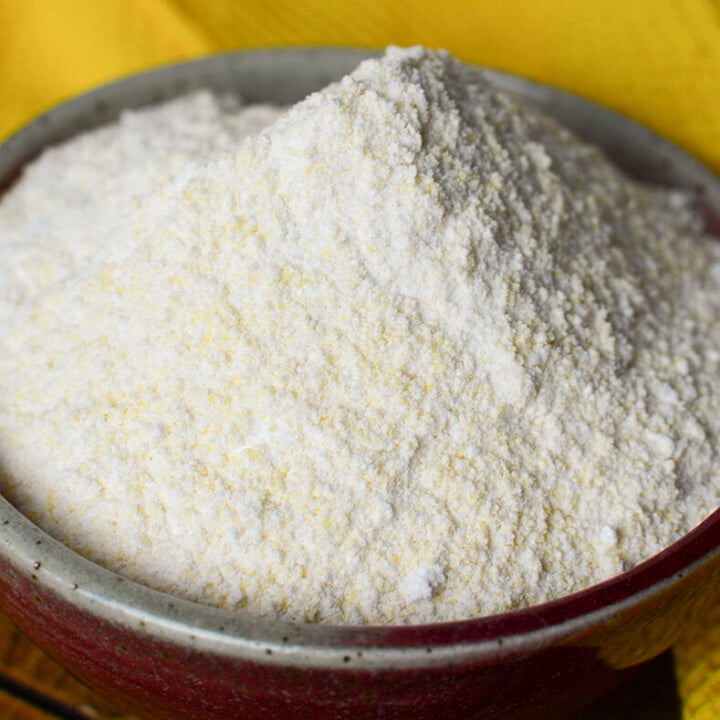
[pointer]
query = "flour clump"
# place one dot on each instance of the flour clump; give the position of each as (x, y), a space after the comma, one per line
(413, 352)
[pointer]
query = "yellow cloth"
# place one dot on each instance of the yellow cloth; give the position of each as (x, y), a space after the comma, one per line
(655, 60)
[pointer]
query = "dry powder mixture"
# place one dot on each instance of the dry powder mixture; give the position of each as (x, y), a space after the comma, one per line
(411, 353)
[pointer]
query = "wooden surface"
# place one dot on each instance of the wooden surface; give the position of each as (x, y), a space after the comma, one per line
(33, 687)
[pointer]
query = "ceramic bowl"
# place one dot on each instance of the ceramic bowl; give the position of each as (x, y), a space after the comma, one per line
(167, 658)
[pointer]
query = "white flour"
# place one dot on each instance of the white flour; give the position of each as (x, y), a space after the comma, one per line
(412, 353)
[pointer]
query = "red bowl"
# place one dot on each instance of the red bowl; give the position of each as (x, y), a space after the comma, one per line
(168, 658)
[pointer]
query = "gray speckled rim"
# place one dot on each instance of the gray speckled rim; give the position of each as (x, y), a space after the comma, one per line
(285, 76)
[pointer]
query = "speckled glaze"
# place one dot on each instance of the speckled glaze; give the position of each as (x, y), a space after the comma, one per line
(167, 658)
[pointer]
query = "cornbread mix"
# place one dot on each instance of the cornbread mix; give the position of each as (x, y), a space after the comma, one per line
(408, 351)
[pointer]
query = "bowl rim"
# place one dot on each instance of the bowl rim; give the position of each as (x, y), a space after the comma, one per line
(105, 594)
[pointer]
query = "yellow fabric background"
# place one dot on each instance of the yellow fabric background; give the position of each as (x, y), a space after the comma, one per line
(655, 60)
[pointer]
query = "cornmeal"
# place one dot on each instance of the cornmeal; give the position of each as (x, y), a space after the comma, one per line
(410, 353)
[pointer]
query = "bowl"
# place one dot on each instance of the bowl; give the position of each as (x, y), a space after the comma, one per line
(164, 657)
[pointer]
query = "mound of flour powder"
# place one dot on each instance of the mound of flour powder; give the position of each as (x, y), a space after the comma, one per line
(411, 353)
